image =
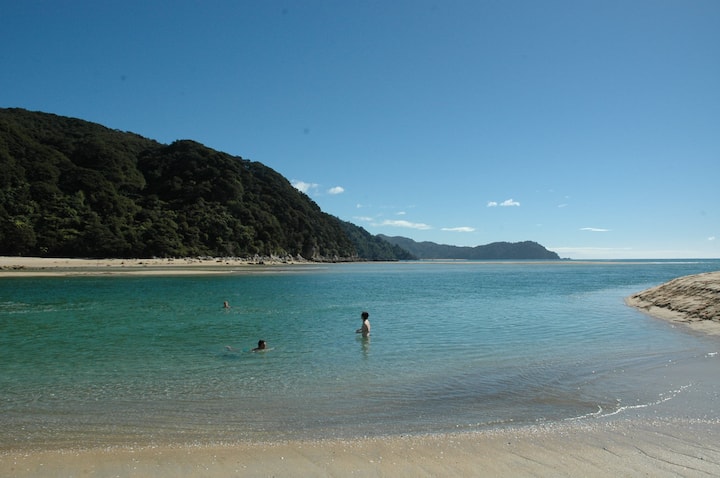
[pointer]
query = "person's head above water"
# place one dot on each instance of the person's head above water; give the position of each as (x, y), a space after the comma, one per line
(261, 346)
(365, 315)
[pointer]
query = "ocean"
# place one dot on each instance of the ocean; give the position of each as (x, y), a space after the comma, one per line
(455, 346)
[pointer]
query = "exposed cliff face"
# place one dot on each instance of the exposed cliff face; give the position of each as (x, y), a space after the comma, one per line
(693, 300)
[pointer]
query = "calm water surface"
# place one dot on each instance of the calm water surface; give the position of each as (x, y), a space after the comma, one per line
(454, 346)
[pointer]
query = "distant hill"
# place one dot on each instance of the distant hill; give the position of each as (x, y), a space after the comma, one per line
(495, 251)
(374, 246)
(71, 188)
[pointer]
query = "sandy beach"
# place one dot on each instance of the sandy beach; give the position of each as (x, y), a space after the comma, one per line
(41, 266)
(51, 266)
(654, 448)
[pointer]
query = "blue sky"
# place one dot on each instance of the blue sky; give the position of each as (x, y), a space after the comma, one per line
(591, 127)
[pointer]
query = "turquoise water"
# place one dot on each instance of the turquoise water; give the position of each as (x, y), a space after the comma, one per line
(455, 346)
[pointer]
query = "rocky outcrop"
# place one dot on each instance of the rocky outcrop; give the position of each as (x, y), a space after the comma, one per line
(690, 299)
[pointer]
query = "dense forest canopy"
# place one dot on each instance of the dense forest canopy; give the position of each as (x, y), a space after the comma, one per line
(70, 188)
(493, 251)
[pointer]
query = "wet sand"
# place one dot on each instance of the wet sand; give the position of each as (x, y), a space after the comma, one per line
(624, 448)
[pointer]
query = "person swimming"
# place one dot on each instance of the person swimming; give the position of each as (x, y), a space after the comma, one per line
(261, 347)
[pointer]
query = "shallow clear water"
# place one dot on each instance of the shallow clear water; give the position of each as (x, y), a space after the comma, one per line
(454, 346)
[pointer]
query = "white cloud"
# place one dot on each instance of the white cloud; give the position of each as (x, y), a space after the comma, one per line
(401, 213)
(310, 188)
(407, 224)
(459, 229)
(594, 229)
(711, 238)
(363, 218)
(302, 186)
(505, 203)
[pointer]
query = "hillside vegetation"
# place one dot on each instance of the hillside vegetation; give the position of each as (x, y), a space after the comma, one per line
(493, 251)
(70, 188)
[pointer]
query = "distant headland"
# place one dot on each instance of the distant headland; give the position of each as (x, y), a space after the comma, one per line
(526, 250)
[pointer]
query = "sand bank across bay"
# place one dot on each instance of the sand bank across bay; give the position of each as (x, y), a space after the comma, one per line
(42, 266)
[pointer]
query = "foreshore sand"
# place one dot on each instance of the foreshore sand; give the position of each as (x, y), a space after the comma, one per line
(49, 267)
(42, 266)
(14, 266)
(624, 448)
(692, 300)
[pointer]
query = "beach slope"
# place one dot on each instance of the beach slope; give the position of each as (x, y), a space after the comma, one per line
(692, 300)
(656, 448)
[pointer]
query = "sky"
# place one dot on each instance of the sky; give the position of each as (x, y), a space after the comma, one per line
(591, 127)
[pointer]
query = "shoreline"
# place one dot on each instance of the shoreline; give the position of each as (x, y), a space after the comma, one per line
(48, 267)
(61, 267)
(12, 266)
(654, 447)
(692, 301)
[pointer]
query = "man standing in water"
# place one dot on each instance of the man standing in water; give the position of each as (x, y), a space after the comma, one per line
(365, 329)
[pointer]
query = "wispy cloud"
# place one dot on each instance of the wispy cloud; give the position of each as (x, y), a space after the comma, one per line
(304, 187)
(314, 188)
(711, 238)
(505, 203)
(363, 218)
(458, 229)
(406, 224)
(594, 229)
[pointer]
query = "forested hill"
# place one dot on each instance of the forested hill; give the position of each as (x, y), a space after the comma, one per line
(527, 250)
(70, 188)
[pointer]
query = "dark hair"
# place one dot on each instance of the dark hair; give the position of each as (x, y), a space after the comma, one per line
(364, 315)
